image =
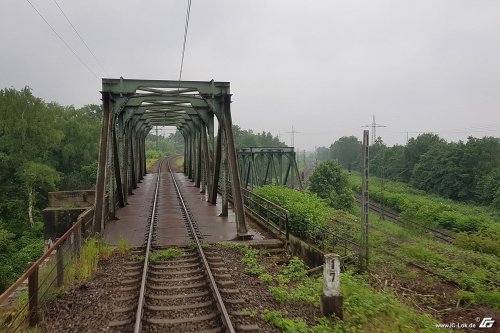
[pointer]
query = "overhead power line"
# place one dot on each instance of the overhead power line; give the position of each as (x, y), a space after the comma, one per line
(62, 40)
(186, 26)
(293, 136)
(374, 126)
(81, 38)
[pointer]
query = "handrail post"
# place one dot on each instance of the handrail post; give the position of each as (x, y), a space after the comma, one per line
(33, 297)
(79, 240)
(287, 228)
(82, 228)
(60, 266)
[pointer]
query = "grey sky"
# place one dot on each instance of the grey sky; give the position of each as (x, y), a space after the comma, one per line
(324, 67)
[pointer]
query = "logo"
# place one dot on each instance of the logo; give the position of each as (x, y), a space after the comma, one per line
(487, 322)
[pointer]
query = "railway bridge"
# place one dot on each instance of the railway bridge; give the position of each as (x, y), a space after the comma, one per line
(178, 205)
(201, 111)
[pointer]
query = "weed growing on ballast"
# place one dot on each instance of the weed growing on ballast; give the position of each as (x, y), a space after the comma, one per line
(137, 258)
(123, 245)
(166, 254)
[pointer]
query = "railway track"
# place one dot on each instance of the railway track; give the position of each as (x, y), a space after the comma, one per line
(438, 234)
(177, 289)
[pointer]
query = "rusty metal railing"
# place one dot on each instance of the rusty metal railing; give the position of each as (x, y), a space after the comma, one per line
(45, 278)
(267, 211)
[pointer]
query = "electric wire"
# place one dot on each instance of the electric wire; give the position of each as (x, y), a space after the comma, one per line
(186, 27)
(62, 40)
(80, 37)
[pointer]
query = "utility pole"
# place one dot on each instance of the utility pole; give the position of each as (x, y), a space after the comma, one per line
(293, 136)
(363, 248)
(374, 126)
(294, 155)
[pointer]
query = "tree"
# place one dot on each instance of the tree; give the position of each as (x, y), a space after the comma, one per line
(40, 177)
(323, 154)
(415, 148)
(40, 143)
(390, 163)
(347, 151)
(439, 171)
(488, 188)
(331, 183)
(6, 248)
(247, 138)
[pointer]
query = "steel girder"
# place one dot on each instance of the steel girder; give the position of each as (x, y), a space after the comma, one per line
(261, 166)
(133, 107)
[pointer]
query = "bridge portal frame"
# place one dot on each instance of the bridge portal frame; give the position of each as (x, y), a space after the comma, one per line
(268, 165)
(131, 108)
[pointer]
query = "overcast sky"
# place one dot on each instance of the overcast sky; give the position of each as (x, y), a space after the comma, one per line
(324, 67)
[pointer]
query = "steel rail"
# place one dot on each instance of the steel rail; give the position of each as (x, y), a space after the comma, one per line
(394, 217)
(213, 285)
(140, 304)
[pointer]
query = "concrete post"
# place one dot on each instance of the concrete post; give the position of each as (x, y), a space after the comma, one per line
(331, 300)
(363, 248)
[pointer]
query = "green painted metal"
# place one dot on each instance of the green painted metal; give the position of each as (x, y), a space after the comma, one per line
(268, 165)
(133, 107)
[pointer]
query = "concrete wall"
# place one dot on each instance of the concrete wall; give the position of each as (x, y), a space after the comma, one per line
(64, 208)
(58, 220)
(72, 199)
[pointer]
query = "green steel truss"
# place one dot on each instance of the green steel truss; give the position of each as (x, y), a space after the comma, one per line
(261, 166)
(133, 107)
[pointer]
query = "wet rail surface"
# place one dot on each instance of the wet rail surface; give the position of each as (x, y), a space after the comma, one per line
(188, 292)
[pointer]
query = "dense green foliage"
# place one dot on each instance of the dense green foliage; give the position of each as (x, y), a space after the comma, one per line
(395, 249)
(479, 227)
(311, 218)
(43, 147)
(466, 171)
(331, 183)
(309, 213)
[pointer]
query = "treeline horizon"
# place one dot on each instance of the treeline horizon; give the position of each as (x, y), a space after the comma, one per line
(463, 171)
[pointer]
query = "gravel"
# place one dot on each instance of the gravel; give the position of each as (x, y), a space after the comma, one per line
(88, 307)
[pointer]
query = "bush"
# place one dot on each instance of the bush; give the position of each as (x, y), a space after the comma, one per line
(331, 183)
(309, 213)
(485, 240)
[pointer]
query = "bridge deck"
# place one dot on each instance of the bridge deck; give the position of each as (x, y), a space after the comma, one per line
(132, 220)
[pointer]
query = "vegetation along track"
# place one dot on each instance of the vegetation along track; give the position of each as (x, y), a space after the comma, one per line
(178, 289)
(382, 211)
